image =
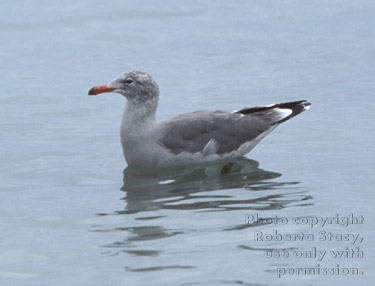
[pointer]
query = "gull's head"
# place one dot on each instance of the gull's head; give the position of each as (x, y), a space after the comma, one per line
(134, 85)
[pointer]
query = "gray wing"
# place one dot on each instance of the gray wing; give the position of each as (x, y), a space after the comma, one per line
(192, 132)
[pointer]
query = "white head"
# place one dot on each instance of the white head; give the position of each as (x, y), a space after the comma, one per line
(141, 91)
(136, 86)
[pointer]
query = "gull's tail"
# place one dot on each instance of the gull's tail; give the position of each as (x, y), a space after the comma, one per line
(278, 113)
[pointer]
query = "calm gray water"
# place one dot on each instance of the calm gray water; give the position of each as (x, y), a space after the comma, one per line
(71, 213)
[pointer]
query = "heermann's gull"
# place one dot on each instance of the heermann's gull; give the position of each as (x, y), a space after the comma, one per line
(196, 137)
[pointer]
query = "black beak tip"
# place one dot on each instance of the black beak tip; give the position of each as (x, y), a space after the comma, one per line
(92, 91)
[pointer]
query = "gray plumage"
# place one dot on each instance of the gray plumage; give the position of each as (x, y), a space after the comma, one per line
(191, 132)
(201, 136)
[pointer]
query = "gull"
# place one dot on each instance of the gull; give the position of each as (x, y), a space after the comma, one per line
(189, 138)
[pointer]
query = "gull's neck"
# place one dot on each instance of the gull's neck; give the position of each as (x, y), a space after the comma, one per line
(138, 113)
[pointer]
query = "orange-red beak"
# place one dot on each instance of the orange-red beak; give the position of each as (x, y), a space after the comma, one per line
(100, 89)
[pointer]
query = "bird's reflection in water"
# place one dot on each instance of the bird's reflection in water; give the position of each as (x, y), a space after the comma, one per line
(228, 186)
(176, 188)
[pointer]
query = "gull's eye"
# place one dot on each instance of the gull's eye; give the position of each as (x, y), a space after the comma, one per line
(128, 81)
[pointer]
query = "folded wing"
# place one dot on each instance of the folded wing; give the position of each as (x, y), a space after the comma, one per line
(222, 132)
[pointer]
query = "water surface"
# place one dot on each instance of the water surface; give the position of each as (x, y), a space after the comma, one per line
(73, 213)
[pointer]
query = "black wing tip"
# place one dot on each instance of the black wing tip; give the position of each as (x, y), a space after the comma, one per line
(296, 107)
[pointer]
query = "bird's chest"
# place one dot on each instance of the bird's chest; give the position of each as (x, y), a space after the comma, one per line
(138, 145)
(133, 139)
